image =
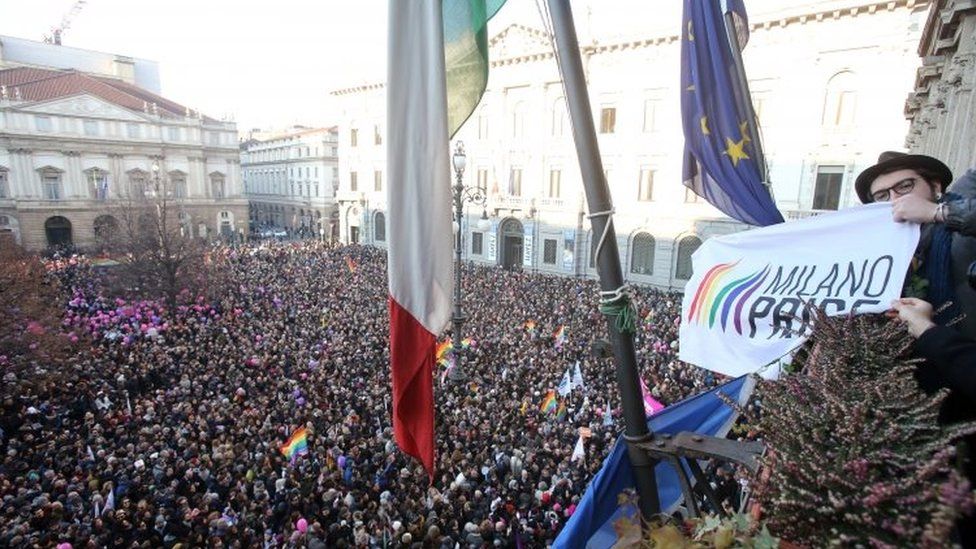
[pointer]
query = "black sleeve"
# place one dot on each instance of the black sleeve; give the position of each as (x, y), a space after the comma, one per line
(960, 216)
(952, 355)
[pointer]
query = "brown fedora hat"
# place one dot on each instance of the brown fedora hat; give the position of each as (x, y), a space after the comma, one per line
(890, 161)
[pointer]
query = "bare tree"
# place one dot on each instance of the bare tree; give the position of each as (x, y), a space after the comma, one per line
(153, 239)
(29, 312)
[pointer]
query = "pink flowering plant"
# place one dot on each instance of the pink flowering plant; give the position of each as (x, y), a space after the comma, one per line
(856, 456)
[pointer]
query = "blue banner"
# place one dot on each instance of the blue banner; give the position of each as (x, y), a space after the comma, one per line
(720, 159)
(609, 510)
(569, 246)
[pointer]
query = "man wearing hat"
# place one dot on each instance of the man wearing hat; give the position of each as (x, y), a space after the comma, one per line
(918, 188)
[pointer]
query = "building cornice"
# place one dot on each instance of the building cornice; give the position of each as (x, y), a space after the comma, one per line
(664, 39)
(55, 143)
(291, 161)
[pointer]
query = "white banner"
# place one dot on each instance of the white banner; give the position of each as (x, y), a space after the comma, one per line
(745, 305)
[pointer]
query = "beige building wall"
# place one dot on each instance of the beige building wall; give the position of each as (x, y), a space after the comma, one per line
(942, 109)
(828, 82)
(89, 150)
(291, 180)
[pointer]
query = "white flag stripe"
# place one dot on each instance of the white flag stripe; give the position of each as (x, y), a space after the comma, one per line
(419, 194)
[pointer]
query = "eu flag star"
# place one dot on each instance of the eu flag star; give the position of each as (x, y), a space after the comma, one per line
(744, 131)
(704, 126)
(691, 35)
(735, 150)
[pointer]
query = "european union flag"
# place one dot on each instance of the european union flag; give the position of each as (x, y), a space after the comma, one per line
(720, 154)
(608, 512)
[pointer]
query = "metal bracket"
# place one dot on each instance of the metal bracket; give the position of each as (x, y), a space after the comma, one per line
(684, 450)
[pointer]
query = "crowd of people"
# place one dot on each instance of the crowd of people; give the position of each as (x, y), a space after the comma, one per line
(164, 427)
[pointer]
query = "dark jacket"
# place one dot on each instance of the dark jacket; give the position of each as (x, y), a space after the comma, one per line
(950, 363)
(961, 220)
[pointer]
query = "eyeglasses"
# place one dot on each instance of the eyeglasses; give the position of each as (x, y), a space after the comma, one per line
(903, 187)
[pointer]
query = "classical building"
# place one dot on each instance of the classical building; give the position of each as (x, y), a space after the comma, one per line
(942, 109)
(291, 178)
(828, 80)
(73, 143)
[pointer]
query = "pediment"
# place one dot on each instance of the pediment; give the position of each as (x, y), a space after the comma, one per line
(83, 105)
(518, 40)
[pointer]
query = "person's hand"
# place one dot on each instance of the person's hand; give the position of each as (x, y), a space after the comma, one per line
(913, 208)
(915, 313)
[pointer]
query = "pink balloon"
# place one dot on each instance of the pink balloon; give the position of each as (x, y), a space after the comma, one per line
(301, 525)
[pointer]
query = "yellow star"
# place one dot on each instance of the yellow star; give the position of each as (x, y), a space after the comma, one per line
(735, 151)
(690, 88)
(744, 131)
(704, 126)
(691, 36)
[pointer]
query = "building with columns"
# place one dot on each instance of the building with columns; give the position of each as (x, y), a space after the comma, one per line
(942, 109)
(828, 79)
(73, 144)
(291, 178)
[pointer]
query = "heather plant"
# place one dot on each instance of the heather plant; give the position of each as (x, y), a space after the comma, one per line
(856, 456)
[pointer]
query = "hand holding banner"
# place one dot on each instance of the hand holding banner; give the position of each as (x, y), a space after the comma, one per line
(746, 304)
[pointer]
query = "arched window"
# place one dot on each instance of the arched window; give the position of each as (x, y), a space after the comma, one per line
(106, 229)
(840, 101)
(686, 247)
(642, 254)
(58, 231)
(379, 227)
(559, 117)
(518, 120)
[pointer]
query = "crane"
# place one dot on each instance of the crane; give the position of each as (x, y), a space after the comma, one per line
(56, 32)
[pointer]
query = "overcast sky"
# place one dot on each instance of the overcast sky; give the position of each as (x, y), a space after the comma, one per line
(272, 63)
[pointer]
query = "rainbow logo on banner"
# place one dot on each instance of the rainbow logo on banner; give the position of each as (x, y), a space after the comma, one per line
(721, 293)
(297, 444)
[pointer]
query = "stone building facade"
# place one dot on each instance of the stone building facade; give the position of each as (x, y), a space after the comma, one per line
(828, 80)
(291, 179)
(72, 145)
(942, 108)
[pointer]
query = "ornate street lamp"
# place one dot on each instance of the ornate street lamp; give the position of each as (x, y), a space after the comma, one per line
(475, 196)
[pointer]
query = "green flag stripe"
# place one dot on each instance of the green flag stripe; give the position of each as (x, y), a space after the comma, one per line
(466, 55)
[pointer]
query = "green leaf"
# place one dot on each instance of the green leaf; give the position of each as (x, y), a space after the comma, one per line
(764, 540)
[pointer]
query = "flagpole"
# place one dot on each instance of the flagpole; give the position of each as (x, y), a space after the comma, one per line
(608, 259)
(746, 97)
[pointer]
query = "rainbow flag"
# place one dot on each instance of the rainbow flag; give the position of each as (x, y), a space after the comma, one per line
(350, 264)
(468, 342)
(441, 351)
(297, 444)
(548, 403)
(561, 412)
(560, 336)
(530, 326)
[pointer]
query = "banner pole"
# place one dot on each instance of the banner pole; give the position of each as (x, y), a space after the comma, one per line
(608, 257)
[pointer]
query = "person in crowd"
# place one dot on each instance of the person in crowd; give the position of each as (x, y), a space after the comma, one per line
(164, 429)
(918, 188)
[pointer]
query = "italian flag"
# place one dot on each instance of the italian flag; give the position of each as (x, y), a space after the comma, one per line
(438, 70)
